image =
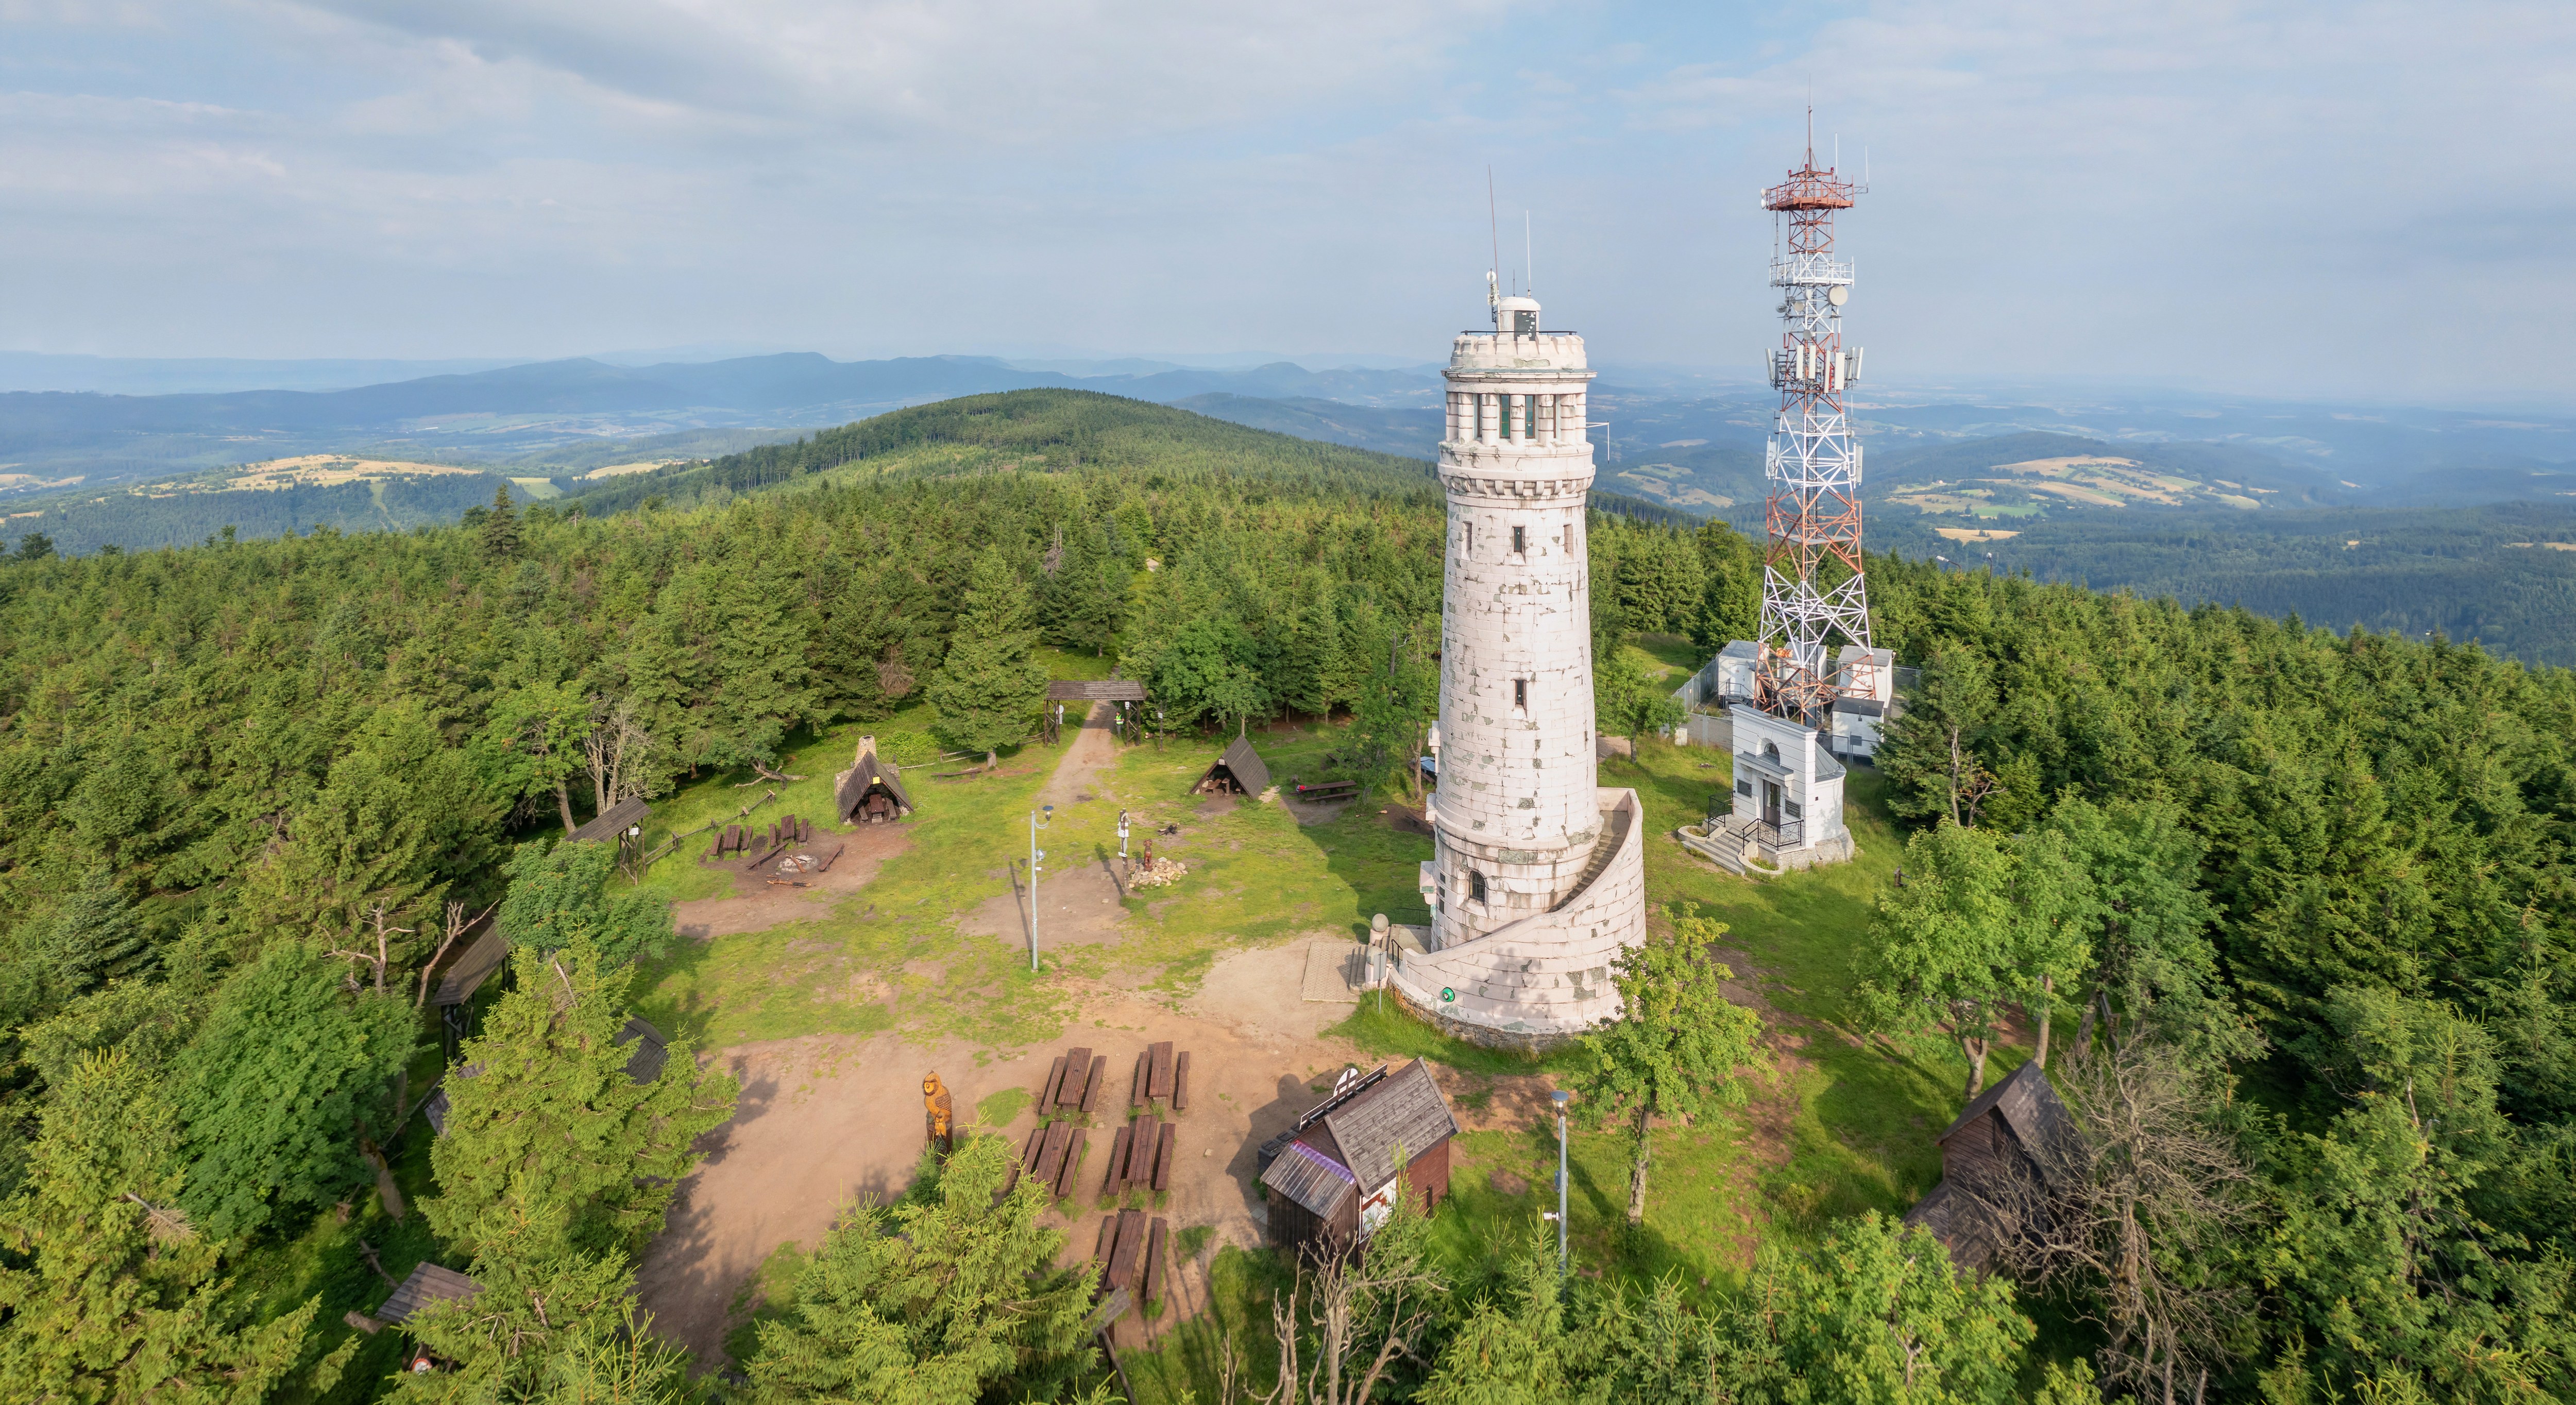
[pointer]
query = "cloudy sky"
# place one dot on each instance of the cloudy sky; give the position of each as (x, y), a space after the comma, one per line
(2353, 199)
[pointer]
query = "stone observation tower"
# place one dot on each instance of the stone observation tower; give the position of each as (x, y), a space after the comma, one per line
(1538, 877)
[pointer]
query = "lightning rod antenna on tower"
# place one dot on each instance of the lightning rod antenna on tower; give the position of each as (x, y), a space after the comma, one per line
(1493, 225)
(1529, 254)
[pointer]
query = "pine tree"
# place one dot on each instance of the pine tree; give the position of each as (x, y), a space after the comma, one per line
(111, 1294)
(277, 1088)
(547, 1327)
(549, 1130)
(1679, 1046)
(987, 692)
(953, 1295)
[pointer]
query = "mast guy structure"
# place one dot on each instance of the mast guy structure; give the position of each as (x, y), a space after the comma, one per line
(1813, 584)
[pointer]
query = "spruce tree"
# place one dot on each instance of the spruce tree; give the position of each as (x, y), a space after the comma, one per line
(97, 936)
(559, 898)
(987, 692)
(110, 1291)
(952, 1295)
(547, 1129)
(501, 527)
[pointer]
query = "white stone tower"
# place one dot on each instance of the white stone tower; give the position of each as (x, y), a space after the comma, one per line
(1538, 877)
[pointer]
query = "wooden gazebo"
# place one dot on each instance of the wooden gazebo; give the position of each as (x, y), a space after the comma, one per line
(871, 791)
(1240, 771)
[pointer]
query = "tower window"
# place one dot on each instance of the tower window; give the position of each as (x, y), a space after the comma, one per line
(1471, 539)
(1475, 886)
(1524, 323)
(1520, 692)
(1520, 540)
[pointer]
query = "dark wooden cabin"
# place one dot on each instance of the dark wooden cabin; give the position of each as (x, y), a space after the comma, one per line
(2003, 1147)
(1334, 1180)
(1239, 772)
(871, 791)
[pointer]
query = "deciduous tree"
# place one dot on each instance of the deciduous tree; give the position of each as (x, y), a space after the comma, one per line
(1679, 1048)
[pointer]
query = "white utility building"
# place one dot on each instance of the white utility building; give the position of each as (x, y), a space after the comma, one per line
(1538, 878)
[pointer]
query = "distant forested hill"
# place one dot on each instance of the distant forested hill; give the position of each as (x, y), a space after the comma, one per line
(2488, 574)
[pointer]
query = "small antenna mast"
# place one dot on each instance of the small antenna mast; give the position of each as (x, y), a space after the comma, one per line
(1529, 254)
(1493, 224)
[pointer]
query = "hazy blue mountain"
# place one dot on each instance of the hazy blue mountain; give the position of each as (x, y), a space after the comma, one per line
(1412, 433)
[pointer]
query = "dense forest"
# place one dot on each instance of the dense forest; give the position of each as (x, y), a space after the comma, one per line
(2305, 899)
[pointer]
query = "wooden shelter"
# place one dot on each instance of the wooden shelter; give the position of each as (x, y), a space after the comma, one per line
(612, 822)
(1333, 1181)
(466, 975)
(1240, 771)
(427, 1284)
(1117, 690)
(2003, 1147)
(871, 791)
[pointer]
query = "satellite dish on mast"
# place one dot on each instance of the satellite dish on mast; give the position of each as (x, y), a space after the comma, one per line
(1838, 294)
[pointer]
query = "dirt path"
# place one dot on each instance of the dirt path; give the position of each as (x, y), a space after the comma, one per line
(827, 1119)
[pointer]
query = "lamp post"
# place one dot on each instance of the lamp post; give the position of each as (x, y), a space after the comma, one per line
(1038, 818)
(1122, 836)
(1560, 1097)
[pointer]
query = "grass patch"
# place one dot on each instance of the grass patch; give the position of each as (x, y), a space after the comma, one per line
(1000, 1109)
(767, 1296)
(1387, 1030)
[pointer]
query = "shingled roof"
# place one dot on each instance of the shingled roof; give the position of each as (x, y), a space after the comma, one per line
(612, 822)
(427, 1284)
(1405, 1111)
(866, 769)
(1245, 765)
(2030, 1109)
(467, 972)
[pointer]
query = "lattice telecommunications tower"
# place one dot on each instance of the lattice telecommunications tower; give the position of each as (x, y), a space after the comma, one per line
(1812, 582)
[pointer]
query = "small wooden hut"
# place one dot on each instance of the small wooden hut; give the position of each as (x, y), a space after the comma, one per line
(1334, 1180)
(466, 975)
(1240, 771)
(871, 791)
(2003, 1151)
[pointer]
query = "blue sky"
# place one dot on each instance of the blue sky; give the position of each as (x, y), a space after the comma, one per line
(2353, 200)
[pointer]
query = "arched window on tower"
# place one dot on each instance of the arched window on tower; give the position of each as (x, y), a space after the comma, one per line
(1475, 886)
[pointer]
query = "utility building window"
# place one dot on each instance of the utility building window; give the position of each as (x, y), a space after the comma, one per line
(1520, 692)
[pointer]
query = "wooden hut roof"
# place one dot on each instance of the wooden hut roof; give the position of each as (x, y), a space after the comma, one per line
(2029, 1108)
(1100, 690)
(1405, 1112)
(870, 769)
(466, 973)
(612, 822)
(427, 1284)
(1249, 770)
(1312, 1179)
(651, 1050)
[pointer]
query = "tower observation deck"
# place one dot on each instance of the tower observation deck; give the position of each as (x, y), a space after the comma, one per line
(1813, 584)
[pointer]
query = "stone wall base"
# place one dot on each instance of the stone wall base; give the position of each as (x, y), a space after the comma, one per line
(1531, 1042)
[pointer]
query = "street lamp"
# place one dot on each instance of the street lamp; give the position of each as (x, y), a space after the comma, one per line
(1038, 819)
(1122, 836)
(1560, 1097)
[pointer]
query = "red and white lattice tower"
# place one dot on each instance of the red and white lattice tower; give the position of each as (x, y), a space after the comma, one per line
(1813, 586)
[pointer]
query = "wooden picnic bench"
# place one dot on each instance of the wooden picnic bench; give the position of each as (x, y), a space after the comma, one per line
(1327, 790)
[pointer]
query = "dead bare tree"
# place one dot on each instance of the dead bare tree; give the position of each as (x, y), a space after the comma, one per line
(617, 748)
(457, 927)
(382, 956)
(1345, 1309)
(2125, 1213)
